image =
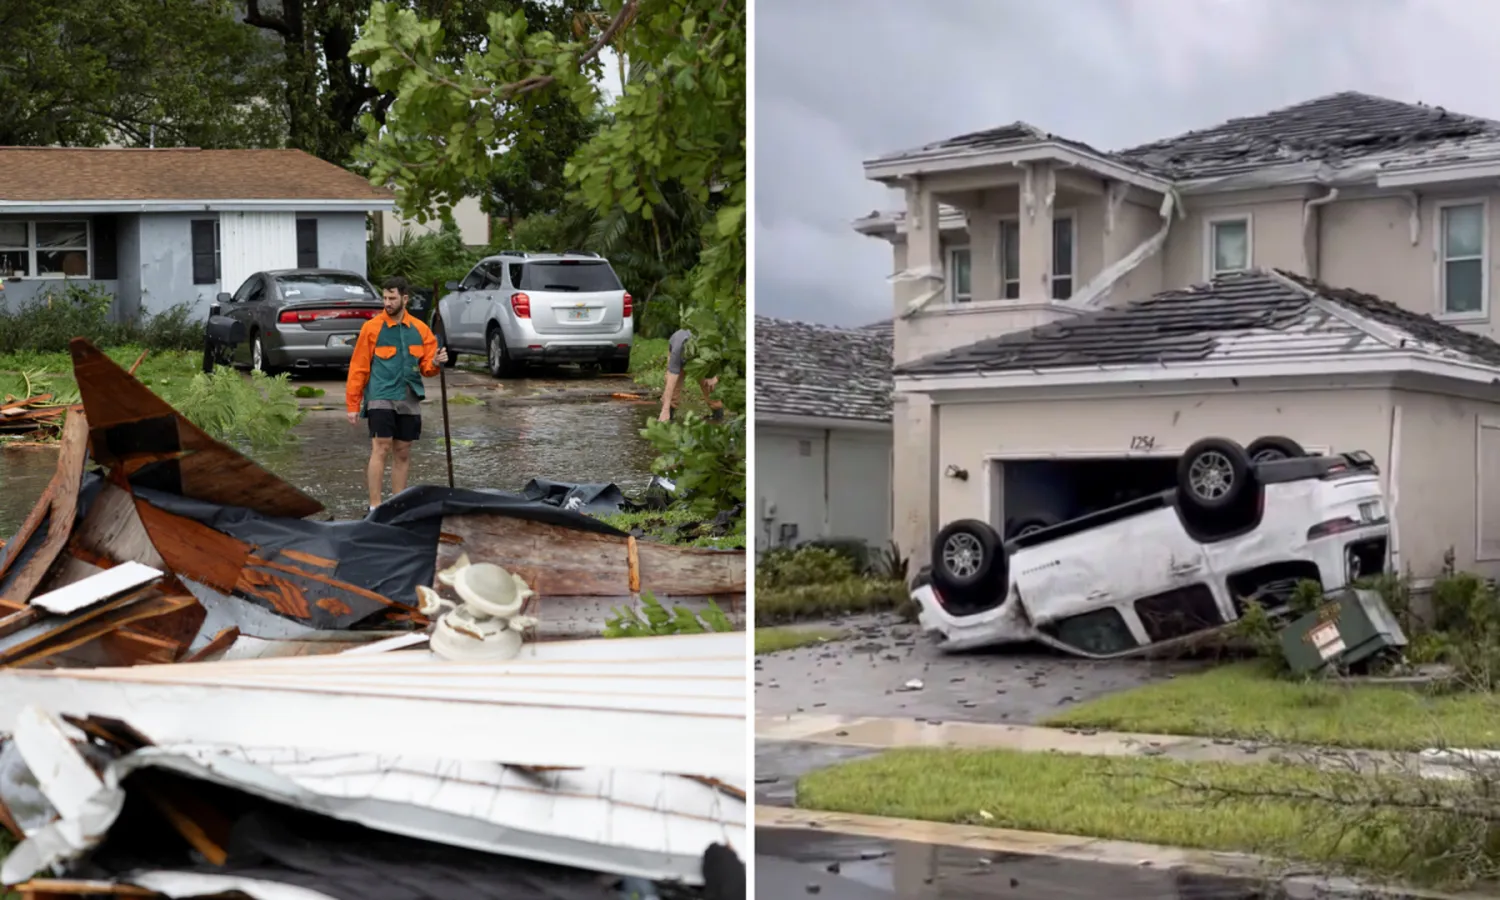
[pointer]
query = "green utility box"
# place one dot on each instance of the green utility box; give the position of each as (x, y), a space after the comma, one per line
(1350, 626)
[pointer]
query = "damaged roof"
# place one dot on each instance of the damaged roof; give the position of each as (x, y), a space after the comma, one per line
(1242, 316)
(802, 369)
(1334, 130)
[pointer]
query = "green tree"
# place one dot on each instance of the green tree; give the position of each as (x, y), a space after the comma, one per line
(88, 72)
(682, 122)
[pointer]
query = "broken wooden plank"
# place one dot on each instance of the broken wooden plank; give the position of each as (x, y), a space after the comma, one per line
(127, 647)
(79, 595)
(61, 498)
(220, 642)
(128, 421)
(76, 633)
(557, 560)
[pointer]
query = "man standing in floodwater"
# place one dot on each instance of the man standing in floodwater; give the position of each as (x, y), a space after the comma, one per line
(393, 353)
(678, 344)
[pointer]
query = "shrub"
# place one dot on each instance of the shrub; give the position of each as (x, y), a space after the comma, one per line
(259, 410)
(49, 321)
(804, 566)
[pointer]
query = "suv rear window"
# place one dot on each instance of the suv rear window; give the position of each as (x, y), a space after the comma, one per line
(325, 287)
(567, 275)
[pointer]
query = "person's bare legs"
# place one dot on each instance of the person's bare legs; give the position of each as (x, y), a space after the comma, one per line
(400, 465)
(380, 448)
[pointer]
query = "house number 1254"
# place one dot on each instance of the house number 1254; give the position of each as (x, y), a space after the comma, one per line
(1143, 442)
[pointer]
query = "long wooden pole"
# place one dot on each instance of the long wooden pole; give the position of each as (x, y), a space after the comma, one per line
(443, 388)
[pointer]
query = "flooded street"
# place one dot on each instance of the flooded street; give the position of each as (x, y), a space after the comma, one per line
(563, 429)
(830, 866)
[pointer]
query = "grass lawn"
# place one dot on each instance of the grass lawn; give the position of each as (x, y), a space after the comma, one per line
(772, 640)
(162, 370)
(1148, 800)
(778, 606)
(1242, 700)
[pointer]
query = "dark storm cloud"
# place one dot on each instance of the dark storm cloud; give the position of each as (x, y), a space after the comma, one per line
(838, 81)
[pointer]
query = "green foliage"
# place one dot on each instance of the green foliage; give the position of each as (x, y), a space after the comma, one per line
(259, 410)
(91, 71)
(788, 568)
(890, 565)
(679, 527)
(680, 121)
(812, 582)
(655, 619)
(425, 260)
(46, 324)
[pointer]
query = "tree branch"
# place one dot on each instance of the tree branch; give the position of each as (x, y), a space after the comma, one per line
(254, 17)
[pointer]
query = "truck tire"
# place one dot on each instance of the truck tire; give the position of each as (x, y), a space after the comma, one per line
(968, 557)
(1272, 447)
(1213, 475)
(1029, 524)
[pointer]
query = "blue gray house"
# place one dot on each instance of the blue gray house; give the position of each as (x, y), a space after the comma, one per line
(161, 228)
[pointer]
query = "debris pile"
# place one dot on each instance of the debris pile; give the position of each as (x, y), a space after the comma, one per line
(30, 417)
(206, 691)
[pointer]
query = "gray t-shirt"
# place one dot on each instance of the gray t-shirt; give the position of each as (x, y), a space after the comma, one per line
(411, 406)
(678, 344)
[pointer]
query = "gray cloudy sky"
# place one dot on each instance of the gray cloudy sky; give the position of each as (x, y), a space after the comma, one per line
(838, 81)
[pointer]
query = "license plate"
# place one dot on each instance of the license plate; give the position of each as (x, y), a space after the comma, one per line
(578, 315)
(1369, 512)
(340, 340)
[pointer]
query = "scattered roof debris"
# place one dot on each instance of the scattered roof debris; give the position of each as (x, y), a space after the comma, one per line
(201, 690)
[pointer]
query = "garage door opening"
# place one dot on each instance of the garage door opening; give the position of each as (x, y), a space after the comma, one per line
(1043, 492)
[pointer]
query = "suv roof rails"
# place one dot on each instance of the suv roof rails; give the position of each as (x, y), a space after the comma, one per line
(580, 253)
(520, 253)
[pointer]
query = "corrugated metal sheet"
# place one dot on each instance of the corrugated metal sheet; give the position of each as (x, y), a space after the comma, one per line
(251, 242)
(667, 704)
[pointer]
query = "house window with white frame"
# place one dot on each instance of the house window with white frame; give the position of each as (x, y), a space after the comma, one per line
(46, 248)
(1063, 258)
(1228, 246)
(958, 275)
(1462, 236)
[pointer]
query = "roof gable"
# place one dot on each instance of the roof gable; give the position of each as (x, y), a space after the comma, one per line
(63, 174)
(1242, 316)
(802, 369)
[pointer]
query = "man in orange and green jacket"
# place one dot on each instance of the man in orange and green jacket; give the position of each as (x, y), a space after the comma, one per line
(394, 352)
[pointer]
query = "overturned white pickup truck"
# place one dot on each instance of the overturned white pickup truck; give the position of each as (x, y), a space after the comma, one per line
(1164, 567)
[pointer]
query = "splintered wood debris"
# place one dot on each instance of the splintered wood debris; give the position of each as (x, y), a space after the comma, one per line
(181, 650)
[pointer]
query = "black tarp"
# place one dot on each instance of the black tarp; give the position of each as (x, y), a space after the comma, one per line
(391, 551)
(594, 499)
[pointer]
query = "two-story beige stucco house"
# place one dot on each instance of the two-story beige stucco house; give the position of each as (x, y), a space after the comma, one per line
(1342, 250)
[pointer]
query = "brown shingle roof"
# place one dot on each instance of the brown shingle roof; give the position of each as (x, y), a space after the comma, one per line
(43, 174)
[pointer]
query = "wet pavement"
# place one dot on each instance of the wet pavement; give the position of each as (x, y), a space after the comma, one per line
(877, 669)
(563, 428)
(830, 866)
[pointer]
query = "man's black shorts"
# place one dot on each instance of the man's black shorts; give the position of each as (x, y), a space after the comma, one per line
(387, 423)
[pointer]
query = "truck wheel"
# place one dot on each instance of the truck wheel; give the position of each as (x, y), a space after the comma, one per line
(1266, 449)
(1031, 524)
(1213, 475)
(967, 556)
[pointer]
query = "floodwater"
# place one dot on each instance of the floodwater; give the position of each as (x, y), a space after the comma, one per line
(525, 429)
(803, 863)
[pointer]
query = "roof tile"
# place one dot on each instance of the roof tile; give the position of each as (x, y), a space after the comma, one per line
(802, 369)
(46, 174)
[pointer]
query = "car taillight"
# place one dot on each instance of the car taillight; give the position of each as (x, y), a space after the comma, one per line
(629, 306)
(520, 304)
(302, 316)
(1332, 527)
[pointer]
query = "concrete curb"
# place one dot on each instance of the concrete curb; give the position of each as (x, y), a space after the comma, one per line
(1068, 848)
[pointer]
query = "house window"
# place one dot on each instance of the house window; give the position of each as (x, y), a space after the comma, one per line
(46, 248)
(206, 256)
(958, 275)
(1063, 258)
(1463, 258)
(307, 243)
(1228, 246)
(1010, 260)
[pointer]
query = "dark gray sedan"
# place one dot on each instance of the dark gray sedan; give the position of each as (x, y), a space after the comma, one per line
(300, 318)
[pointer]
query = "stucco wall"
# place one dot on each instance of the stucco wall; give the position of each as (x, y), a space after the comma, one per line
(472, 221)
(166, 265)
(1275, 236)
(829, 483)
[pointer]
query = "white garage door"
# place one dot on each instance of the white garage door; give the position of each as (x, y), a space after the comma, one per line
(253, 242)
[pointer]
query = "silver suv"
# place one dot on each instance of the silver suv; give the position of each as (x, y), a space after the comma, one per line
(518, 308)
